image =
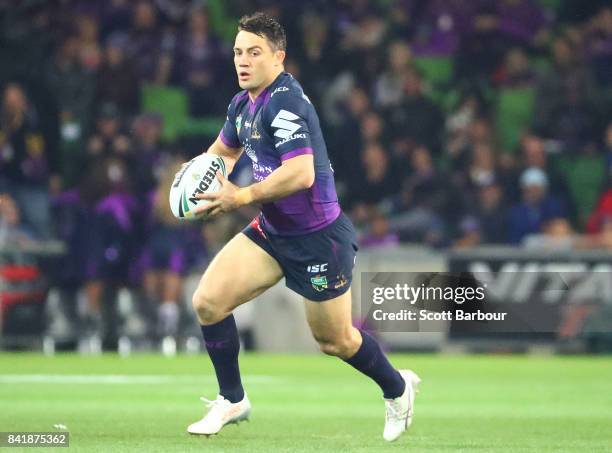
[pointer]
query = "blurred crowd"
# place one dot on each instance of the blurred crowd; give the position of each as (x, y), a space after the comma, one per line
(449, 123)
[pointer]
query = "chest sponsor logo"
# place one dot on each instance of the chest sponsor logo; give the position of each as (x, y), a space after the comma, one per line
(284, 124)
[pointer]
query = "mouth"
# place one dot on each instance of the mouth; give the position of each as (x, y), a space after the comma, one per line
(243, 75)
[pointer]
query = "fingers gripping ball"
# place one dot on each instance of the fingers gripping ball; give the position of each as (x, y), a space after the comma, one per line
(195, 177)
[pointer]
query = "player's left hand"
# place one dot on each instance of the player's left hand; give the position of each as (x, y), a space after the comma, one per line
(224, 200)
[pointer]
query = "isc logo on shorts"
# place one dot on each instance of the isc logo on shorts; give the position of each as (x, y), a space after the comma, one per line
(317, 267)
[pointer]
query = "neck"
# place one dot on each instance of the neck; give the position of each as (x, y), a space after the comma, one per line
(257, 91)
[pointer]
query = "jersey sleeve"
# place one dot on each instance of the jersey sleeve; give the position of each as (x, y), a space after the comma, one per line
(229, 134)
(287, 121)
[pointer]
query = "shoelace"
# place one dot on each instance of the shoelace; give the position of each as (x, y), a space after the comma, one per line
(213, 405)
(394, 410)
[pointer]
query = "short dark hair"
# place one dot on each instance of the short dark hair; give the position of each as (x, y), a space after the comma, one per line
(265, 26)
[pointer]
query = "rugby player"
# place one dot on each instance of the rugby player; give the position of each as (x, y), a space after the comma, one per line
(301, 233)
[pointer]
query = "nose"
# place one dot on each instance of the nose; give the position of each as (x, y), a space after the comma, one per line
(242, 60)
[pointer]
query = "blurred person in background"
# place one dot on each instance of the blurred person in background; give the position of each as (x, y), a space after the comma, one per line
(521, 22)
(109, 138)
(496, 27)
(317, 56)
(72, 86)
(469, 233)
(389, 87)
(90, 53)
(598, 41)
(378, 233)
(112, 256)
(12, 231)
(567, 104)
(116, 15)
(416, 119)
(557, 234)
(147, 159)
(380, 177)
(362, 30)
(170, 252)
(466, 124)
(25, 163)
(534, 154)
(437, 25)
(97, 221)
(536, 208)
(599, 235)
(488, 217)
(372, 128)
(515, 72)
(345, 139)
(199, 57)
(117, 80)
(150, 47)
(603, 208)
(416, 212)
(481, 167)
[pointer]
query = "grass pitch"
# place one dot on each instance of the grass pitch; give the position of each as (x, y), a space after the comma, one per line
(312, 403)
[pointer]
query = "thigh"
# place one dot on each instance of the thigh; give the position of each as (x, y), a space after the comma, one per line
(241, 271)
(332, 319)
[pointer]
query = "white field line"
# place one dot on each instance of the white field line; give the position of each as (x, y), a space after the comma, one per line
(119, 379)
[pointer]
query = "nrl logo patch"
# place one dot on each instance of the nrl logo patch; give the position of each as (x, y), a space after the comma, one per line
(319, 282)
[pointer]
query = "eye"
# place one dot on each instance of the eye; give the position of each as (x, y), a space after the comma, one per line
(255, 53)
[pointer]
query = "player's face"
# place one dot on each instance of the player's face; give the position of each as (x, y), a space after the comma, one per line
(257, 64)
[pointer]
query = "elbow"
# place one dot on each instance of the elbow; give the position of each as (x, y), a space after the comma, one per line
(307, 179)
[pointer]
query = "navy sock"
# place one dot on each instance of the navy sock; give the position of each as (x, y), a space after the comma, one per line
(371, 361)
(223, 344)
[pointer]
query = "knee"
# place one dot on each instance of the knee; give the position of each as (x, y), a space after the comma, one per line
(343, 347)
(207, 307)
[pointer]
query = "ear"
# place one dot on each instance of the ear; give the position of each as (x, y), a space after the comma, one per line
(279, 56)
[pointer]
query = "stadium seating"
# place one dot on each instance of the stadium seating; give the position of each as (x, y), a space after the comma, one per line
(514, 114)
(437, 70)
(585, 176)
(171, 103)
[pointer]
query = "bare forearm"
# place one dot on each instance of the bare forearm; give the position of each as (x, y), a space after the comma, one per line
(230, 155)
(282, 182)
(293, 175)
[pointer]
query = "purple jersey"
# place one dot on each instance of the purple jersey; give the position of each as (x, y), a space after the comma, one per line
(279, 125)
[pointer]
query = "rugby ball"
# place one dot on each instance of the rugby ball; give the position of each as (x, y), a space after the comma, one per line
(199, 175)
